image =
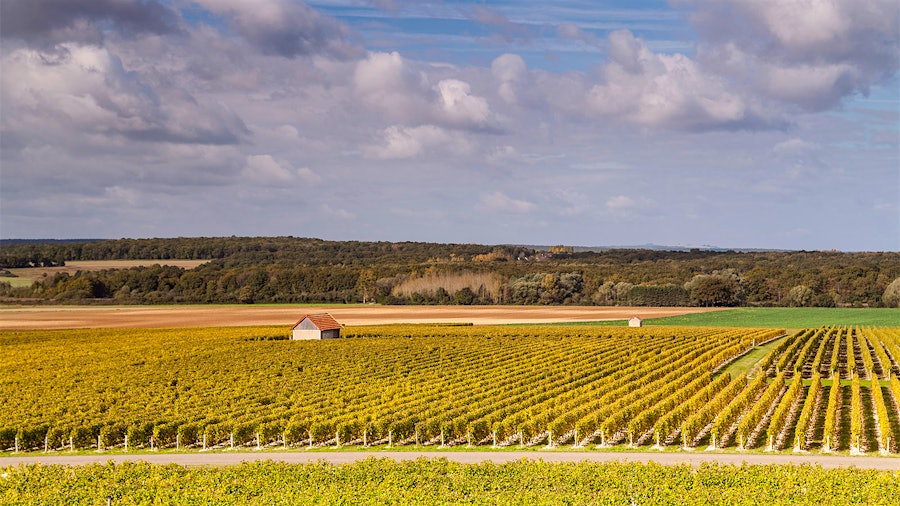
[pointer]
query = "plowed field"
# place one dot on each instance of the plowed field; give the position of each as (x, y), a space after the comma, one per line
(59, 317)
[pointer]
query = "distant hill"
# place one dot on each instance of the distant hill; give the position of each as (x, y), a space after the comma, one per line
(653, 247)
(14, 242)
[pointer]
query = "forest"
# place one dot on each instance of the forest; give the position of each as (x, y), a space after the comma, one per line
(307, 270)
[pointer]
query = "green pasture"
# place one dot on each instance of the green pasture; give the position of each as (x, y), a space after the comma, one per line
(785, 317)
(778, 317)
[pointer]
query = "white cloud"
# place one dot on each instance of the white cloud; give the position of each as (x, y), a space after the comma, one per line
(666, 90)
(508, 70)
(386, 84)
(339, 213)
(812, 53)
(574, 203)
(401, 142)
(499, 201)
(794, 146)
(505, 153)
(264, 170)
(287, 28)
(620, 203)
(460, 106)
(308, 175)
(87, 90)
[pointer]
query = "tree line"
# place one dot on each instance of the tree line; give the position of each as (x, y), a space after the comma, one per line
(301, 270)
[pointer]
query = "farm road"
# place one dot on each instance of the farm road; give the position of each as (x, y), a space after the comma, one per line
(474, 457)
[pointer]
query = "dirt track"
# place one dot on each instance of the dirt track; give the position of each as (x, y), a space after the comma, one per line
(473, 457)
(59, 317)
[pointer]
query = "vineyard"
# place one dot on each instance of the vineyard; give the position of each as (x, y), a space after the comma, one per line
(423, 481)
(826, 389)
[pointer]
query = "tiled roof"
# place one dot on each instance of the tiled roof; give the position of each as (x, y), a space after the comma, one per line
(322, 321)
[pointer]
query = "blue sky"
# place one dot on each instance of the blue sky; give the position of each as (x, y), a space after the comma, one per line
(738, 123)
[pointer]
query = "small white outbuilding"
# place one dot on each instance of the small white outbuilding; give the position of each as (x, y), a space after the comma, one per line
(316, 326)
(634, 321)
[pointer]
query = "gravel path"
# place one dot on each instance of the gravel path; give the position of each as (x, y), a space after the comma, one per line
(473, 457)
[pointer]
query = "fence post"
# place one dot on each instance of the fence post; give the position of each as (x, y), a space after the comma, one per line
(126, 442)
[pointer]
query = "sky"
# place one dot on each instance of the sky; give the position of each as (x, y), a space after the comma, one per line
(731, 123)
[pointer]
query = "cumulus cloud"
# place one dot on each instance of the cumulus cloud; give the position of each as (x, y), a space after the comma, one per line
(508, 70)
(264, 170)
(574, 203)
(336, 212)
(387, 83)
(627, 207)
(400, 142)
(48, 22)
(667, 90)
(460, 106)
(500, 154)
(499, 201)
(620, 202)
(86, 90)
(811, 53)
(286, 28)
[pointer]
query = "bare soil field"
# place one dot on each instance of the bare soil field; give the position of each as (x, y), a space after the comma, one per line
(61, 317)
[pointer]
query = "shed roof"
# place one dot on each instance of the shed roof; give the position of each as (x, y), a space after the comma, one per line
(323, 321)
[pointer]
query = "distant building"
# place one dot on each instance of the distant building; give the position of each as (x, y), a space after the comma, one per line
(633, 322)
(316, 326)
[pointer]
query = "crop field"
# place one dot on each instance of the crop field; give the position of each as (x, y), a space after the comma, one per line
(27, 276)
(438, 481)
(828, 389)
